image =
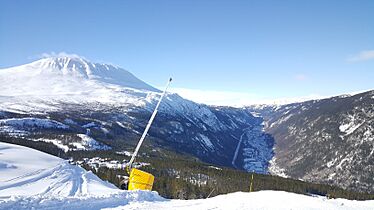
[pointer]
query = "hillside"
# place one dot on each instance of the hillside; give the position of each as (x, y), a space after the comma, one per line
(326, 141)
(52, 183)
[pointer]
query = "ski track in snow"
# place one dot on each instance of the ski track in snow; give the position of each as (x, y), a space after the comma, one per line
(131, 200)
(36, 173)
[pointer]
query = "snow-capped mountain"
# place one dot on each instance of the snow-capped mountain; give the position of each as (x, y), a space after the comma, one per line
(65, 75)
(328, 141)
(108, 104)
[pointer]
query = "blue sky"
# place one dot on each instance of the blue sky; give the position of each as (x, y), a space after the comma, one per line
(224, 51)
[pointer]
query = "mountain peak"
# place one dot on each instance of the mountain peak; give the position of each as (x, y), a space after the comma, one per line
(66, 65)
(66, 74)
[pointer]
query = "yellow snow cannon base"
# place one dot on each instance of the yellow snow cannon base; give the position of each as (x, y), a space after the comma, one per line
(140, 180)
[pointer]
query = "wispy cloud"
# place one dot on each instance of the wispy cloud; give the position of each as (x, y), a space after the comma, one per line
(236, 99)
(59, 54)
(362, 56)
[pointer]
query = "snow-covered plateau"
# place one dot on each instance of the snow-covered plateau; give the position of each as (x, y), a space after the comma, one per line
(30, 179)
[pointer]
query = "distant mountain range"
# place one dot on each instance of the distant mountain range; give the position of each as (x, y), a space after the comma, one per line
(80, 105)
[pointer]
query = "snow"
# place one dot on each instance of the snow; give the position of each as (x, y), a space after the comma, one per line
(119, 199)
(276, 169)
(206, 141)
(238, 147)
(282, 119)
(70, 121)
(346, 159)
(33, 122)
(214, 167)
(198, 179)
(56, 142)
(349, 128)
(44, 84)
(254, 149)
(98, 162)
(330, 163)
(264, 200)
(70, 68)
(30, 172)
(256, 152)
(256, 114)
(126, 153)
(350, 125)
(150, 200)
(11, 131)
(30, 179)
(89, 125)
(88, 143)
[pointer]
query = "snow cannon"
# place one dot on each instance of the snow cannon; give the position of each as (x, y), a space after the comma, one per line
(140, 180)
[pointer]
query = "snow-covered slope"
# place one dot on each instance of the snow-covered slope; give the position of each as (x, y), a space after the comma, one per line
(264, 200)
(30, 179)
(33, 122)
(29, 172)
(50, 83)
(44, 83)
(327, 141)
(65, 75)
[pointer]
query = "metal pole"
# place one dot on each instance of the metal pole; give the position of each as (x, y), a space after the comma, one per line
(211, 193)
(147, 127)
(251, 185)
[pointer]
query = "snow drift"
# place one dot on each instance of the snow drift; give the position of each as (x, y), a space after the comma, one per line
(27, 172)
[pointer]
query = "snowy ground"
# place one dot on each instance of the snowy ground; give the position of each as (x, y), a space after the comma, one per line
(30, 179)
(27, 172)
(263, 200)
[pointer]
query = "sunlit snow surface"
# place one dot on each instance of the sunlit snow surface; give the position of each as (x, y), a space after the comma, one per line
(30, 179)
(43, 84)
(264, 200)
(24, 171)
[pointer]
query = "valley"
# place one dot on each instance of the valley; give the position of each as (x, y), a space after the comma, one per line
(315, 141)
